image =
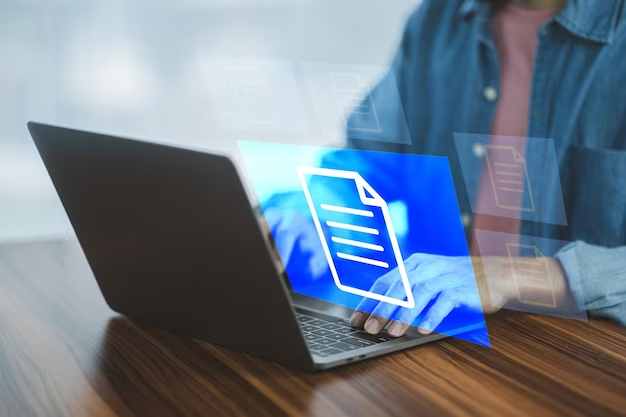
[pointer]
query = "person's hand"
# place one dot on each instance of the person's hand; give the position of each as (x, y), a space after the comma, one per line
(292, 235)
(448, 279)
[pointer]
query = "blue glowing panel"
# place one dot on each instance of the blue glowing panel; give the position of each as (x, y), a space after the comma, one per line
(335, 219)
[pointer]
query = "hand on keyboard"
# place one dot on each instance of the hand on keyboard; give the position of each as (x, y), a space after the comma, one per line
(325, 338)
(448, 279)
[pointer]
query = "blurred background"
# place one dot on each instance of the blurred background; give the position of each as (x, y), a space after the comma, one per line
(139, 68)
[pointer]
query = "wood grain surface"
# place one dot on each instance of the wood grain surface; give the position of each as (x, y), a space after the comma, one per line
(64, 353)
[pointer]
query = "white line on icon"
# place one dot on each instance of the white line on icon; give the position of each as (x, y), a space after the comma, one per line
(363, 260)
(352, 227)
(358, 244)
(347, 210)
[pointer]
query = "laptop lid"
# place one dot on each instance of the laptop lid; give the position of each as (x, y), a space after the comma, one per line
(171, 238)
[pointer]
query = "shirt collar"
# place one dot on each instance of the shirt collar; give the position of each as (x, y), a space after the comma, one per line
(595, 20)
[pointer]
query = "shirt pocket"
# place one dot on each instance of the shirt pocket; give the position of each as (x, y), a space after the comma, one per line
(594, 189)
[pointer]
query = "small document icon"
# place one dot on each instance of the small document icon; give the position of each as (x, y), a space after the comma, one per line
(349, 89)
(532, 277)
(508, 173)
(252, 95)
(356, 233)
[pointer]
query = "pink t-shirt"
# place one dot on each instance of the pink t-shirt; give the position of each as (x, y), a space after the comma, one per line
(516, 32)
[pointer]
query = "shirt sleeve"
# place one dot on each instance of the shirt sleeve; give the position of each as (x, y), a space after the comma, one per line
(597, 278)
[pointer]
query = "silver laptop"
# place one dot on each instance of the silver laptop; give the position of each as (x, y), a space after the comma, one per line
(172, 240)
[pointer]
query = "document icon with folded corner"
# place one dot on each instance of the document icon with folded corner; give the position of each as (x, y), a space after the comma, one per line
(356, 233)
(508, 173)
(252, 95)
(351, 93)
(531, 273)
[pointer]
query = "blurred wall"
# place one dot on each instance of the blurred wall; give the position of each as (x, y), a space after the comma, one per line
(131, 67)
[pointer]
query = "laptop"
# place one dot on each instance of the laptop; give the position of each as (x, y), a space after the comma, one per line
(173, 240)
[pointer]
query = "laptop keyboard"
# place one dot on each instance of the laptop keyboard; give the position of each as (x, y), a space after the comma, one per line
(325, 338)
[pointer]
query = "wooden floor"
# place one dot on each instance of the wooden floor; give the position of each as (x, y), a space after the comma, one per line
(64, 353)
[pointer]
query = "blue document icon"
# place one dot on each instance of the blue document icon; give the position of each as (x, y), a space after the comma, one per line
(355, 231)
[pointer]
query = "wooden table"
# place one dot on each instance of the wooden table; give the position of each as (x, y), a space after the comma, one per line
(63, 352)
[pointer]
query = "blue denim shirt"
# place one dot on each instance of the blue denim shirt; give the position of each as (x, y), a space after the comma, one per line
(446, 61)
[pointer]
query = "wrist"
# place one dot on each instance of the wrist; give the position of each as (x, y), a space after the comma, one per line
(495, 280)
(530, 287)
(503, 279)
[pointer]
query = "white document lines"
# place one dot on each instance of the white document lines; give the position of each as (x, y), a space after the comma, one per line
(378, 246)
(508, 173)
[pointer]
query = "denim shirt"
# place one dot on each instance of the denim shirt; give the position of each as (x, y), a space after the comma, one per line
(446, 63)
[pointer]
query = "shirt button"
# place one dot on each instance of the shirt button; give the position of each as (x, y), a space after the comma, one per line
(479, 150)
(466, 219)
(490, 93)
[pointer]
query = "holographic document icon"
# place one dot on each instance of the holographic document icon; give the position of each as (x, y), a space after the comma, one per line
(508, 173)
(531, 273)
(349, 89)
(252, 95)
(351, 234)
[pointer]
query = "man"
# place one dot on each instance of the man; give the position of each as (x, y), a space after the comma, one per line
(525, 68)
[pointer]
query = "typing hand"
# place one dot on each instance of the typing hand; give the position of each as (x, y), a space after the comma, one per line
(294, 236)
(449, 279)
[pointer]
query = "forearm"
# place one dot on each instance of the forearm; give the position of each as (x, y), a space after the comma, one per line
(552, 295)
(505, 282)
(581, 277)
